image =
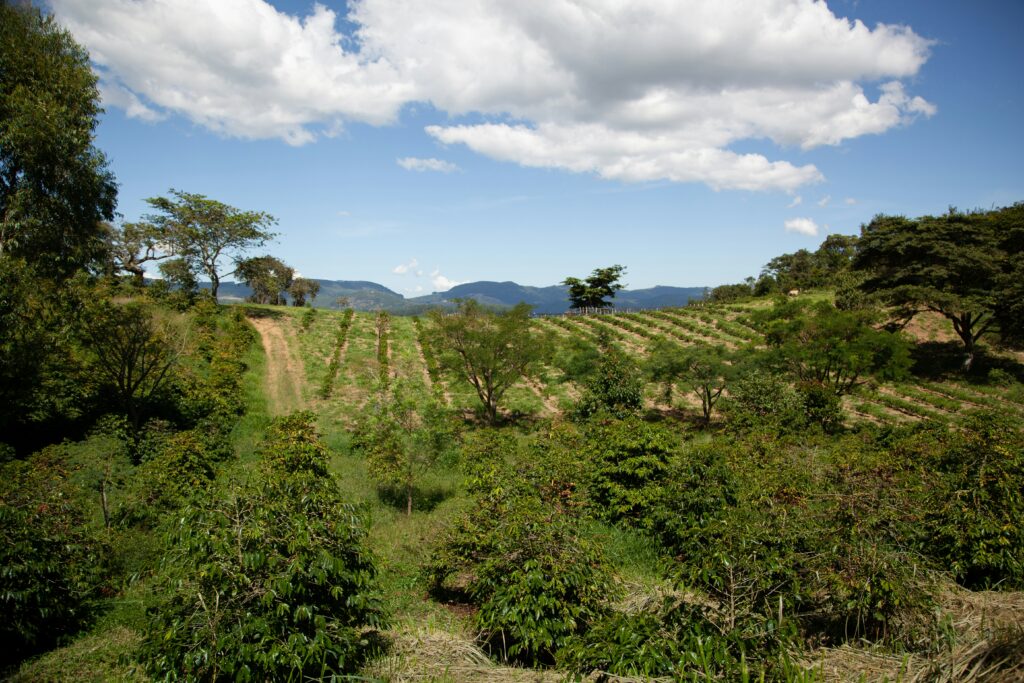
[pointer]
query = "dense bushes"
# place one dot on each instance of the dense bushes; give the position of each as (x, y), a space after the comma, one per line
(523, 560)
(50, 559)
(267, 580)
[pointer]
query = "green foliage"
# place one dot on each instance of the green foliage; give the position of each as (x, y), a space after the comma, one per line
(761, 400)
(402, 437)
(183, 465)
(268, 580)
(383, 328)
(594, 290)
(955, 265)
(50, 560)
(615, 387)
(675, 639)
(202, 230)
(332, 369)
(490, 351)
(976, 507)
(837, 349)
(629, 462)
(131, 352)
(301, 288)
(308, 316)
(55, 188)
(524, 562)
(268, 278)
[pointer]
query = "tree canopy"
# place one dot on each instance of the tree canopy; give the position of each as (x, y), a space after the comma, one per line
(957, 265)
(203, 230)
(55, 187)
(268, 278)
(594, 291)
(491, 351)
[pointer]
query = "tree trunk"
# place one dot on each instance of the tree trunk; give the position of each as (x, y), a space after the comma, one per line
(104, 504)
(408, 500)
(214, 285)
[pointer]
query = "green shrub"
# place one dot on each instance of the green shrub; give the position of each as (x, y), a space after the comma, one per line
(762, 400)
(975, 519)
(629, 461)
(524, 562)
(50, 560)
(308, 316)
(615, 387)
(267, 580)
(677, 640)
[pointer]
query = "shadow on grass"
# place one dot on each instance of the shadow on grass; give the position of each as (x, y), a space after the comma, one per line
(261, 312)
(940, 360)
(424, 498)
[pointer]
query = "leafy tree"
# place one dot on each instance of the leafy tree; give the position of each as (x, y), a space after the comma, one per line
(950, 264)
(301, 288)
(204, 230)
(132, 245)
(594, 290)
(665, 365)
(1009, 300)
(131, 352)
(403, 438)
(833, 348)
(703, 368)
(491, 351)
(55, 188)
(267, 277)
(180, 284)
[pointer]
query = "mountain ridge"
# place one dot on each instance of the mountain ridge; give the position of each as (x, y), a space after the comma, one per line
(364, 295)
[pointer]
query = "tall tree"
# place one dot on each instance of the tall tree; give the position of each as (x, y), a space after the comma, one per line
(55, 188)
(302, 288)
(132, 245)
(950, 264)
(834, 349)
(268, 278)
(594, 291)
(204, 231)
(491, 351)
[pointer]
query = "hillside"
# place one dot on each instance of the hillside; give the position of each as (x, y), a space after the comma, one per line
(370, 296)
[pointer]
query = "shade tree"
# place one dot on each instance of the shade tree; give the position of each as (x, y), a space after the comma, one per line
(204, 231)
(489, 350)
(268, 278)
(594, 291)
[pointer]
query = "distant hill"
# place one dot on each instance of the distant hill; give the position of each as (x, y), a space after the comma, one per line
(370, 296)
(555, 299)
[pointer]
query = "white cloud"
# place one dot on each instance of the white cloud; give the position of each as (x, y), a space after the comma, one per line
(441, 283)
(803, 226)
(416, 164)
(344, 214)
(404, 268)
(116, 95)
(849, 201)
(638, 91)
(797, 201)
(823, 202)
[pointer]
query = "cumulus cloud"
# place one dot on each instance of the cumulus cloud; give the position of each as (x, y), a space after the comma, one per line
(803, 226)
(823, 202)
(441, 283)
(404, 268)
(849, 201)
(416, 164)
(797, 201)
(637, 91)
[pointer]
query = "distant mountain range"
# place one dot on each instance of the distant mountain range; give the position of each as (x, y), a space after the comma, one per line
(370, 296)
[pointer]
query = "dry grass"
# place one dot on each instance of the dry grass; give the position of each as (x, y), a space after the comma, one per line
(987, 630)
(426, 654)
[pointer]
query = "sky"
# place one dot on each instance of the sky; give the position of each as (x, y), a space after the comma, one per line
(424, 143)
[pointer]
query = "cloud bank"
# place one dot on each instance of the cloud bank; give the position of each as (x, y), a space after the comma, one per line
(416, 164)
(638, 91)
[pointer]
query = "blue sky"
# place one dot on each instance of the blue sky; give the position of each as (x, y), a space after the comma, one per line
(419, 144)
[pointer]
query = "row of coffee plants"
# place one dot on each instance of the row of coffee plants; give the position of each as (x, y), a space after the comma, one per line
(339, 343)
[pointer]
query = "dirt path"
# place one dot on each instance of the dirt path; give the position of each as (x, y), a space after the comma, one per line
(286, 375)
